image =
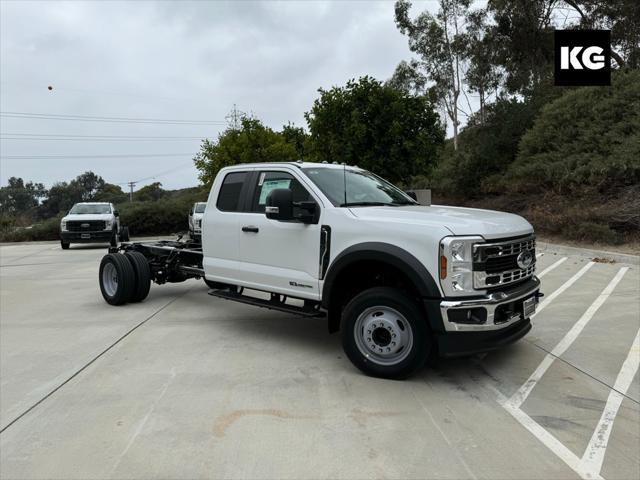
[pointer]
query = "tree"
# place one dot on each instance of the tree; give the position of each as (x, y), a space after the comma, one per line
(88, 184)
(439, 43)
(375, 126)
(297, 137)
(521, 37)
(622, 17)
(587, 138)
(250, 143)
(111, 193)
(152, 192)
(20, 198)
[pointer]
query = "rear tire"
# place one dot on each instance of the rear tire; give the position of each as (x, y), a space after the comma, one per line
(64, 245)
(117, 279)
(142, 274)
(385, 334)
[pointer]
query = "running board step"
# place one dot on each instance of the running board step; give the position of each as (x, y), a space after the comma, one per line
(273, 304)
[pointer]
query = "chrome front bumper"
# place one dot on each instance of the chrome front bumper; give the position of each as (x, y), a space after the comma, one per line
(490, 304)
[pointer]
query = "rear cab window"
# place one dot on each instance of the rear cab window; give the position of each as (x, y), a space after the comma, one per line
(229, 197)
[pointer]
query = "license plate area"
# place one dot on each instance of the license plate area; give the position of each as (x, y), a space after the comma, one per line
(85, 235)
(529, 307)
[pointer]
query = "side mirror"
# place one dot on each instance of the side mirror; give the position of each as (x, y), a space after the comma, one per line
(279, 204)
(116, 213)
(412, 194)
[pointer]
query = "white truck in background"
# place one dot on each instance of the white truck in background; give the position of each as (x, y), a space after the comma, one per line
(195, 220)
(400, 280)
(92, 222)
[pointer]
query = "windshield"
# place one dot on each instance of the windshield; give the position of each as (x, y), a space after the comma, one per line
(362, 188)
(200, 207)
(82, 209)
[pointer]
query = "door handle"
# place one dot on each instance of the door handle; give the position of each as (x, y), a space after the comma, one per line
(250, 229)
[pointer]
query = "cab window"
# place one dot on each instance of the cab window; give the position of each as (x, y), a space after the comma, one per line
(229, 196)
(268, 181)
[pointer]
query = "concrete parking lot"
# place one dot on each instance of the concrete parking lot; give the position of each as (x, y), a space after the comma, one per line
(189, 386)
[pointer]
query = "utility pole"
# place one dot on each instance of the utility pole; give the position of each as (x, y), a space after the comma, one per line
(131, 185)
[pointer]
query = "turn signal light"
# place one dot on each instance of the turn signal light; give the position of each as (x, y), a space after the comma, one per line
(443, 267)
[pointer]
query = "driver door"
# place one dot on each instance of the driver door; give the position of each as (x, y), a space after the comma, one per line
(279, 256)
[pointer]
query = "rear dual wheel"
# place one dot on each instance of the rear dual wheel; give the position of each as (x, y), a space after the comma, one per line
(124, 278)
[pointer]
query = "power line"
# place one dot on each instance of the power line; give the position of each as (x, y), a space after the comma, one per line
(62, 157)
(57, 135)
(88, 118)
(89, 139)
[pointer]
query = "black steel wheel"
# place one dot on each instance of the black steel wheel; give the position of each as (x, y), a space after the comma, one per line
(385, 334)
(117, 279)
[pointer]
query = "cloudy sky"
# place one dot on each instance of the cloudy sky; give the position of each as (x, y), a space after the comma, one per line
(178, 61)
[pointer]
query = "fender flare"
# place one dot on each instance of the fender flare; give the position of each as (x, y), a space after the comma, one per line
(380, 252)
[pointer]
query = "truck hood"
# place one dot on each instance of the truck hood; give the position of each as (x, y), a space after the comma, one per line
(87, 217)
(458, 220)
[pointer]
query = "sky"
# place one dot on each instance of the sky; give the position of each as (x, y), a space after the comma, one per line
(187, 62)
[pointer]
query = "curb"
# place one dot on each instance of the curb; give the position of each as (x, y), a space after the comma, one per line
(544, 247)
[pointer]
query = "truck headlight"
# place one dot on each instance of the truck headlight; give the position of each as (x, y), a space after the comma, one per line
(108, 224)
(456, 265)
(63, 225)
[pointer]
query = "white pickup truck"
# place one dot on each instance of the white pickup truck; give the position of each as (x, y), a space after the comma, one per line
(195, 220)
(401, 281)
(92, 222)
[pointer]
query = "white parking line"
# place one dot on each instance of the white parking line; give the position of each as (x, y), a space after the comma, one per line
(518, 398)
(594, 454)
(562, 288)
(590, 465)
(551, 267)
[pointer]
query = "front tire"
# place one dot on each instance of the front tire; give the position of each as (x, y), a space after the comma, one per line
(385, 334)
(64, 245)
(117, 279)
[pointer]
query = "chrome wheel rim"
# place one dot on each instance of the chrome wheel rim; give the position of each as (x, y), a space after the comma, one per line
(383, 335)
(110, 279)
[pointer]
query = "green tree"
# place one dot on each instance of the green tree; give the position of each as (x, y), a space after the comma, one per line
(587, 138)
(149, 193)
(251, 142)
(622, 17)
(60, 198)
(440, 43)
(111, 193)
(20, 198)
(375, 126)
(88, 185)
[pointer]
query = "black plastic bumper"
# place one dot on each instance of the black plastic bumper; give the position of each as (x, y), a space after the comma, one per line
(94, 237)
(453, 344)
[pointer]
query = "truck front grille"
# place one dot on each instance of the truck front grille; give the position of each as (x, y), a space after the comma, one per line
(496, 264)
(85, 225)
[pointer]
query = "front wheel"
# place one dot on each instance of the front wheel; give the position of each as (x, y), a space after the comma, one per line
(64, 245)
(385, 334)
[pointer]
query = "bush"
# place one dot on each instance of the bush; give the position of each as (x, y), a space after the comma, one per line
(589, 137)
(47, 230)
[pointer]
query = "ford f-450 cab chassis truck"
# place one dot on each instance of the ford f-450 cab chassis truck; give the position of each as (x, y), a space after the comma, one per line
(401, 281)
